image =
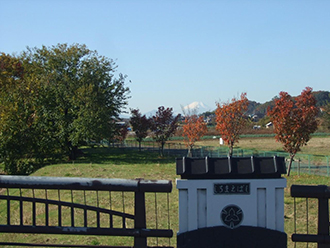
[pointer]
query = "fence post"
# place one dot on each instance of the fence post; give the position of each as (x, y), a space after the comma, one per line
(140, 219)
(327, 165)
(323, 220)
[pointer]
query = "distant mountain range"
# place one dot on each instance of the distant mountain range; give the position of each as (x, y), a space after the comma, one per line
(322, 99)
(255, 108)
(260, 109)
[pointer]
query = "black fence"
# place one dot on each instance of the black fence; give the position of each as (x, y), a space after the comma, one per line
(312, 234)
(80, 206)
(302, 164)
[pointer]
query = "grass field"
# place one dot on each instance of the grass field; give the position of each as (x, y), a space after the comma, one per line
(130, 164)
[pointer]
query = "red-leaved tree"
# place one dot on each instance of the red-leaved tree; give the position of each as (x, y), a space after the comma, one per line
(121, 132)
(230, 120)
(163, 125)
(140, 124)
(194, 129)
(294, 121)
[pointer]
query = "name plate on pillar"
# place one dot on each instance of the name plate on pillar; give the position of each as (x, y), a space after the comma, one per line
(231, 188)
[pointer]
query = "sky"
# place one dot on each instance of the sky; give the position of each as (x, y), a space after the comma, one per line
(175, 52)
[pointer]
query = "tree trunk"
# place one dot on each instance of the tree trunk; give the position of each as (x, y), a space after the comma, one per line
(162, 149)
(290, 163)
(230, 152)
(139, 145)
(73, 153)
(189, 152)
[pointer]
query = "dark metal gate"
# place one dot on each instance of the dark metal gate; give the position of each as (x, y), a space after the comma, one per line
(78, 206)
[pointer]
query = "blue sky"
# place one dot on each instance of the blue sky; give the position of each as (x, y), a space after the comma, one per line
(177, 51)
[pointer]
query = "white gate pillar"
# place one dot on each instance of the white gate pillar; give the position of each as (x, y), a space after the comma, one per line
(230, 193)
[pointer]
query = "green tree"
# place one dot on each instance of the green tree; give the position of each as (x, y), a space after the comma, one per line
(17, 131)
(163, 126)
(81, 96)
(66, 96)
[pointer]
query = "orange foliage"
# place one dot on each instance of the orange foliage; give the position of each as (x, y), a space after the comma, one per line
(294, 120)
(194, 129)
(230, 120)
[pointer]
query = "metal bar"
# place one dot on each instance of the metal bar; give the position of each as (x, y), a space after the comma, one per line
(295, 215)
(168, 216)
(46, 209)
(69, 204)
(323, 220)
(101, 184)
(21, 208)
(307, 219)
(140, 219)
(123, 202)
(156, 215)
(133, 232)
(8, 208)
(97, 211)
(72, 210)
(59, 208)
(34, 215)
(313, 238)
(310, 191)
(327, 158)
(307, 216)
(110, 206)
(69, 245)
(85, 211)
(60, 245)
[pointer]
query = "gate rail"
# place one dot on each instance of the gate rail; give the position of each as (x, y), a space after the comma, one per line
(322, 193)
(19, 208)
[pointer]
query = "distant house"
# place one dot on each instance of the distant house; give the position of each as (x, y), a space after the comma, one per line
(269, 124)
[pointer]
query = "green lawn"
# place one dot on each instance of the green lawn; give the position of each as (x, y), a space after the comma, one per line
(130, 164)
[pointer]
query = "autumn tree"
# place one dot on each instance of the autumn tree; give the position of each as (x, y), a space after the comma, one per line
(140, 124)
(230, 120)
(163, 126)
(194, 129)
(294, 121)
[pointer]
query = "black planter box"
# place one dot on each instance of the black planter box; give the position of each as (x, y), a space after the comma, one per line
(230, 167)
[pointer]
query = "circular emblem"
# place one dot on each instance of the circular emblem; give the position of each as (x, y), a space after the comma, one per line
(231, 216)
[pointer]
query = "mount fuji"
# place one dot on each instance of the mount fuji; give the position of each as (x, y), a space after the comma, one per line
(196, 107)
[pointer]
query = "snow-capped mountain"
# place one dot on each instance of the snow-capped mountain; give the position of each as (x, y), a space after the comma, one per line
(196, 107)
